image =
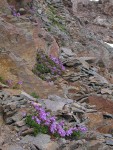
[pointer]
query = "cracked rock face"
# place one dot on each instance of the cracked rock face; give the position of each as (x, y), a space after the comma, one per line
(83, 95)
(13, 108)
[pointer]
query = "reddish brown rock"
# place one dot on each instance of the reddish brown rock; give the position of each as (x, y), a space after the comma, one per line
(95, 120)
(98, 123)
(18, 49)
(45, 41)
(102, 104)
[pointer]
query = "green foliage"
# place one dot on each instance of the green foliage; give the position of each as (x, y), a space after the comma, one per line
(76, 134)
(37, 128)
(33, 94)
(2, 80)
(42, 68)
(55, 19)
(45, 67)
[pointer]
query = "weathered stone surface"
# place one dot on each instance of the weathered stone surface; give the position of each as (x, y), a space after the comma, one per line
(101, 103)
(13, 147)
(41, 141)
(4, 8)
(109, 142)
(54, 105)
(89, 59)
(21, 53)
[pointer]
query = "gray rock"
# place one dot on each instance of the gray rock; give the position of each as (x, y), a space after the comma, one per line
(17, 117)
(61, 141)
(17, 98)
(109, 142)
(20, 123)
(60, 99)
(25, 95)
(102, 22)
(14, 147)
(108, 135)
(66, 52)
(84, 63)
(67, 56)
(55, 102)
(9, 121)
(41, 141)
(54, 105)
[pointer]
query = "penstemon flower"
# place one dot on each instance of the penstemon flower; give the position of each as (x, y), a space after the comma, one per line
(37, 120)
(53, 127)
(44, 118)
(20, 82)
(69, 132)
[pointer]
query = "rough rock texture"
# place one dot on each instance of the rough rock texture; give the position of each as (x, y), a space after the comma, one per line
(19, 42)
(79, 40)
(75, 4)
(14, 133)
(4, 7)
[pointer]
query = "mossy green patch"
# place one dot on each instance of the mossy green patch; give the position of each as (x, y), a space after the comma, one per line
(37, 127)
(33, 94)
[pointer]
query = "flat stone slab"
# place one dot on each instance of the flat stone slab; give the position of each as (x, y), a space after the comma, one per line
(13, 147)
(41, 140)
(109, 142)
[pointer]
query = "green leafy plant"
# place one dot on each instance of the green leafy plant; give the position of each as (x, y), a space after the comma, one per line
(42, 68)
(48, 67)
(33, 94)
(43, 122)
(2, 80)
(37, 128)
(55, 19)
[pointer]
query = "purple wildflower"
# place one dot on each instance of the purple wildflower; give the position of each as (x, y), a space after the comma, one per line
(18, 14)
(62, 132)
(75, 129)
(42, 114)
(83, 129)
(61, 123)
(20, 82)
(53, 119)
(24, 114)
(48, 114)
(54, 68)
(44, 118)
(33, 117)
(53, 127)
(37, 120)
(47, 122)
(69, 132)
(62, 67)
(35, 105)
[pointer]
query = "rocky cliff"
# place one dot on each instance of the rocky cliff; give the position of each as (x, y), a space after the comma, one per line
(56, 47)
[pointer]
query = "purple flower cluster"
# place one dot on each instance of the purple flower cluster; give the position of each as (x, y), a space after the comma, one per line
(14, 12)
(10, 83)
(57, 62)
(48, 65)
(54, 126)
